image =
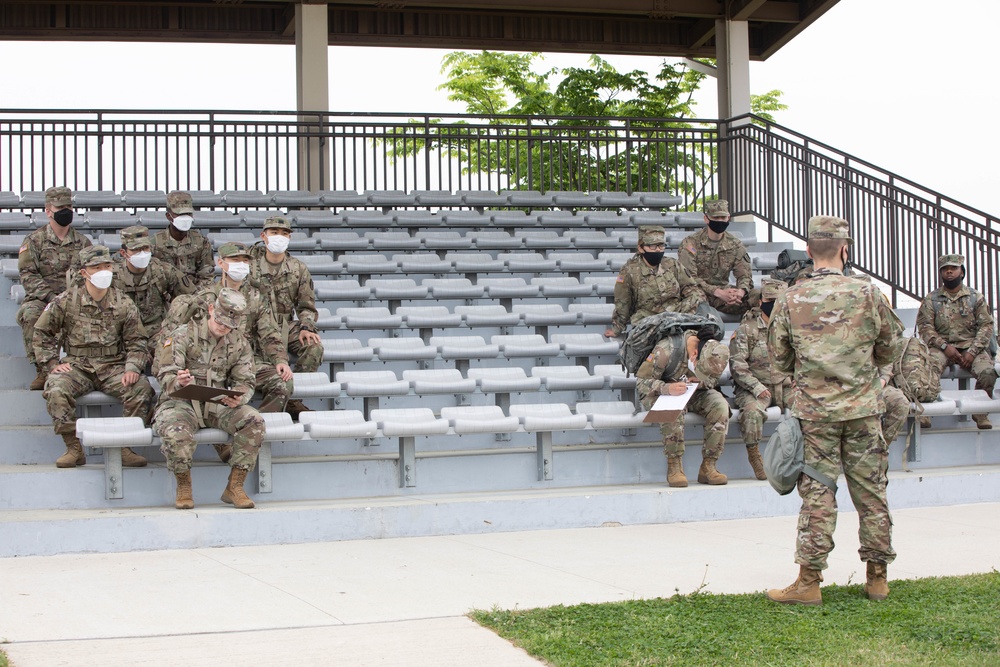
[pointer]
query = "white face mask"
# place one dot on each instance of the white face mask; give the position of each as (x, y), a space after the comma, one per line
(691, 367)
(140, 260)
(238, 271)
(183, 222)
(277, 244)
(101, 279)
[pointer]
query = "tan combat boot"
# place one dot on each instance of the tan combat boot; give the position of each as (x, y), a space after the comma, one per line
(184, 501)
(132, 460)
(983, 422)
(753, 455)
(877, 587)
(925, 422)
(74, 453)
(234, 493)
(293, 408)
(675, 472)
(225, 452)
(707, 474)
(39, 382)
(804, 590)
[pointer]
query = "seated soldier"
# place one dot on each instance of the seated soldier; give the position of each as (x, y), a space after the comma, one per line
(955, 322)
(897, 406)
(712, 254)
(704, 360)
(651, 283)
(210, 352)
(182, 247)
(105, 343)
(149, 282)
(758, 385)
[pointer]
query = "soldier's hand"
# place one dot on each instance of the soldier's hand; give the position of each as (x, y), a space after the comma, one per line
(309, 338)
(130, 378)
(765, 395)
(62, 368)
(967, 360)
(674, 388)
(184, 378)
(610, 333)
(231, 401)
(284, 372)
(953, 355)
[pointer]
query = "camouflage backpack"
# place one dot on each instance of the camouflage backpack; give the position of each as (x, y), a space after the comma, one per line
(913, 373)
(792, 263)
(650, 330)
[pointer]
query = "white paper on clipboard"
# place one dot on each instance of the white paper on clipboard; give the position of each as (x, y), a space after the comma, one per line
(667, 402)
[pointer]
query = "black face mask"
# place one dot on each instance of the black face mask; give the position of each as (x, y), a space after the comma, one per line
(953, 284)
(653, 258)
(766, 307)
(718, 226)
(63, 217)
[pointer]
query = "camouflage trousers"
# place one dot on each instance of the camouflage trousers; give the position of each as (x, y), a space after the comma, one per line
(274, 391)
(27, 315)
(982, 369)
(752, 410)
(711, 405)
(856, 447)
(897, 409)
(309, 357)
(62, 390)
(177, 423)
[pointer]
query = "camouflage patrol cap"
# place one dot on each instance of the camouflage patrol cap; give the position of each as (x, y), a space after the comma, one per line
(233, 249)
(229, 308)
(94, 255)
(59, 196)
(712, 362)
(278, 222)
(771, 289)
(716, 208)
(180, 202)
(651, 235)
(135, 237)
(829, 227)
(950, 260)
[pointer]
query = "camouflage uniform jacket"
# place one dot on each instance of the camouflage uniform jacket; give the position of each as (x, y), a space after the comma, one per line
(288, 286)
(641, 291)
(955, 323)
(654, 373)
(711, 263)
(749, 358)
(216, 362)
(833, 333)
(259, 327)
(91, 333)
(152, 289)
(192, 256)
(43, 261)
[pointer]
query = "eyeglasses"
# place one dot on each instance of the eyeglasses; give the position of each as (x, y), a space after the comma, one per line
(655, 246)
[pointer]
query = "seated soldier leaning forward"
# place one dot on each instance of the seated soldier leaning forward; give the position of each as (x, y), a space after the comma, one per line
(211, 352)
(712, 254)
(705, 361)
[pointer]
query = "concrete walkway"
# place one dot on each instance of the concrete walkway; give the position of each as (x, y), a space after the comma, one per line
(403, 601)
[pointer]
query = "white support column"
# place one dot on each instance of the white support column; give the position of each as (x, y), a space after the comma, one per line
(732, 53)
(312, 91)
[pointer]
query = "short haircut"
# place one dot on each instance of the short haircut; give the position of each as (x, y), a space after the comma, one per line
(825, 249)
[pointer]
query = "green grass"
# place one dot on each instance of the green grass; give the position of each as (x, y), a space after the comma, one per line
(3, 659)
(953, 621)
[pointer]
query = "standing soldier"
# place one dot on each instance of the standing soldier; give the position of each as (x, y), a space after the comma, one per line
(955, 322)
(711, 254)
(181, 247)
(833, 333)
(105, 344)
(650, 284)
(664, 372)
(286, 284)
(758, 384)
(43, 261)
(149, 282)
(214, 353)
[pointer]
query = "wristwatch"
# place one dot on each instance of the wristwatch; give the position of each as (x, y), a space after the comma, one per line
(944, 346)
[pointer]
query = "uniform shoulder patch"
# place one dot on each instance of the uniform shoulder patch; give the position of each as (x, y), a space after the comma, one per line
(168, 342)
(650, 357)
(47, 306)
(620, 279)
(24, 246)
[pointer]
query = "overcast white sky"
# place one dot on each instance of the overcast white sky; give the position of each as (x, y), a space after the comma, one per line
(889, 81)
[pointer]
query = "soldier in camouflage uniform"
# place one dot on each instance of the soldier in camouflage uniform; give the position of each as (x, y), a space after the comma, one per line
(758, 385)
(955, 322)
(711, 254)
(650, 283)
(663, 372)
(43, 261)
(180, 246)
(150, 283)
(287, 284)
(897, 406)
(105, 344)
(833, 333)
(209, 352)
(272, 376)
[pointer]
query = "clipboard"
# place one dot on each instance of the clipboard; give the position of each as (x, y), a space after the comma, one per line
(668, 408)
(200, 392)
